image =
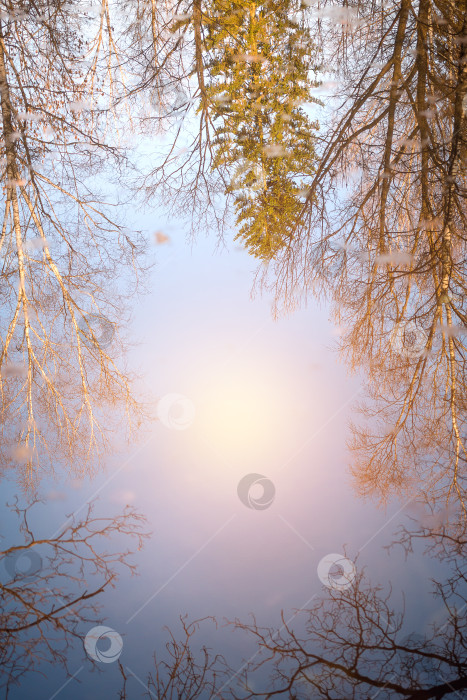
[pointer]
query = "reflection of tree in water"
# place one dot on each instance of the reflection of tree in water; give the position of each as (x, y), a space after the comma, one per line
(60, 253)
(382, 231)
(50, 586)
(382, 228)
(253, 66)
(66, 269)
(351, 643)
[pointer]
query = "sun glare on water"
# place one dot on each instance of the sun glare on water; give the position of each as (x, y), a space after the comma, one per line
(244, 417)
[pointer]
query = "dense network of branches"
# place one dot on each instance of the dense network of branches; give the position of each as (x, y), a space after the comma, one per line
(368, 209)
(353, 642)
(50, 584)
(61, 252)
(383, 232)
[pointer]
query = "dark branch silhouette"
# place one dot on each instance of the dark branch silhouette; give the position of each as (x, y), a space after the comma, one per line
(50, 585)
